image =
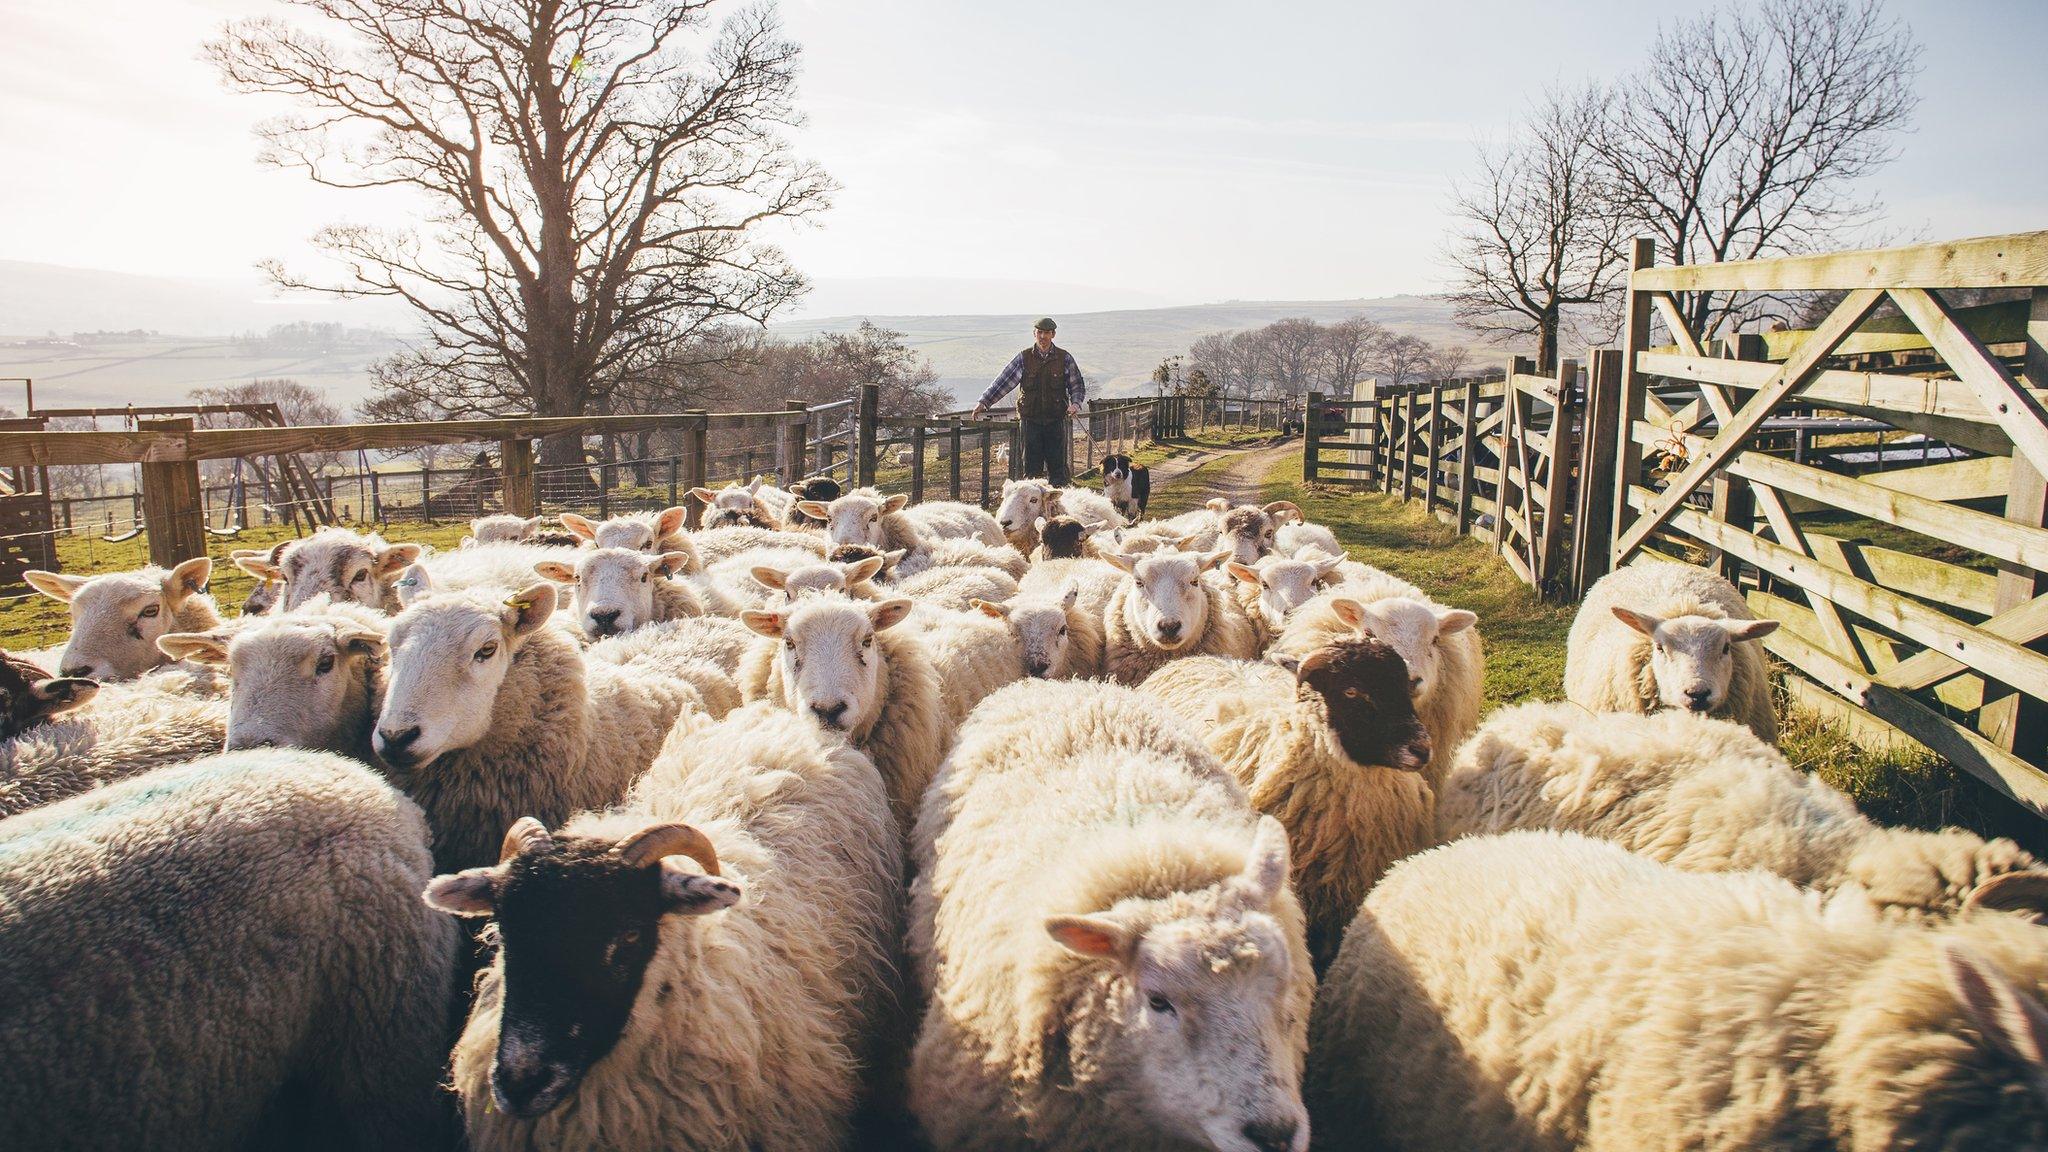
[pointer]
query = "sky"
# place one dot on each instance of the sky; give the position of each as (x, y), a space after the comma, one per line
(1125, 153)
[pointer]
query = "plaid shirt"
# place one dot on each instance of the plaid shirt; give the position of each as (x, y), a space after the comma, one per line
(1014, 375)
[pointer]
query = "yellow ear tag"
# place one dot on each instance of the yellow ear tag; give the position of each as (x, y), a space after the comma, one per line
(519, 602)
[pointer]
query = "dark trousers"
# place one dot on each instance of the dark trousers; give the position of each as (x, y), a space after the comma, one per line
(1045, 450)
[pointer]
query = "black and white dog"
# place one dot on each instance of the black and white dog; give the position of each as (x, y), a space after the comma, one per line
(1128, 486)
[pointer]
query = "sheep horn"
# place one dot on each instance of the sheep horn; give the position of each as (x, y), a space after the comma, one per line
(1284, 506)
(2011, 892)
(525, 835)
(651, 844)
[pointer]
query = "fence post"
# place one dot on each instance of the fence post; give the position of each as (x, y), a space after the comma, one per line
(1312, 439)
(515, 470)
(171, 510)
(1467, 458)
(917, 462)
(2017, 721)
(696, 464)
(1408, 442)
(1635, 338)
(1436, 447)
(987, 447)
(799, 433)
(953, 458)
(864, 451)
(1594, 516)
(1563, 458)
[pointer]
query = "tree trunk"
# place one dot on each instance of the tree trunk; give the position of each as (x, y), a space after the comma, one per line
(1546, 342)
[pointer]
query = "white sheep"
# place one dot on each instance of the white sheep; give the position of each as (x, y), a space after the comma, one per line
(845, 663)
(1539, 990)
(502, 529)
(313, 678)
(185, 952)
(1057, 638)
(1024, 502)
(1294, 536)
(1330, 746)
(1706, 795)
(1660, 635)
(719, 641)
(717, 545)
(855, 579)
(973, 652)
(116, 617)
(869, 519)
(1095, 581)
(1164, 610)
(956, 588)
(620, 589)
(749, 505)
(738, 580)
(491, 715)
(118, 731)
(731, 930)
(1193, 531)
(941, 520)
(641, 531)
(1446, 660)
(956, 553)
(1272, 589)
(1103, 931)
(337, 563)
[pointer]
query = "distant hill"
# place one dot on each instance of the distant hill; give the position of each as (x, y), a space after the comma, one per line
(1118, 349)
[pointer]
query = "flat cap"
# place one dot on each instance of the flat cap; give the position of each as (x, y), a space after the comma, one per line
(1045, 324)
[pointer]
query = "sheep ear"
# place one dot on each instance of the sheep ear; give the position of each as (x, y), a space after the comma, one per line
(199, 647)
(1290, 664)
(754, 487)
(1187, 543)
(1640, 621)
(1070, 595)
(413, 584)
(56, 585)
(1218, 504)
(467, 542)
(2023, 892)
(1350, 611)
(688, 893)
(864, 570)
(1088, 530)
(889, 613)
(704, 495)
(770, 577)
(895, 503)
(991, 608)
(260, 568)
(1451, 620)
(670, 522)
(1266, 864)
(1243, 573)
(815, 509)
(1748, 629)
(1038, 525)
(557, 571)
(579, 526)
(1324, 566)
(529, 608)
(765, 623)
(396, 558)
(894, 556)
(670, 563)
(62, 693)
(2012, 1023)
(361, 641)
(187, 579)
(1096, 937)
(470, 892)
(530, 525)
(1122, 560)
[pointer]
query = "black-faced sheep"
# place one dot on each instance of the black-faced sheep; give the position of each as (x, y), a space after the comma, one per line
(29, 696)
(1064, 538)
(820, 489)
(1538, 990)
(116, 617)
(1103, 932)
(186, 954)
(704, 967)
(1330, 746)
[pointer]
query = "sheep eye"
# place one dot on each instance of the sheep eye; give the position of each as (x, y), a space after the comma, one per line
(359, 577)
(873, 519)
(1063, 631)
(629, 937)
(1139, 583)
(325, 665)
(869, 642)
(486, 652)
(643, 577)
(790, 642)
(1159, 1004)
(1727, 646)
(152, 611)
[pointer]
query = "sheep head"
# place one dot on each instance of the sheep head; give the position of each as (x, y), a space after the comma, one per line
(1283, 584)
(735, 506)
(832, 669)
(1248, 533)
(1022, 503)
(639, 531)
(855, 518)
(1361, 685)
(343, 565)
(614, 586)
(116, 618)
(579, 918)
(303, 680)
(1190, 1006)
(1041, 626)
(1167, 606)
(1692, 657)
(449, 657)
(504, 529)
(1063, 536)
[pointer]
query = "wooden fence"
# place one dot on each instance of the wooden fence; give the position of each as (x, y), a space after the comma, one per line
(1875, 483)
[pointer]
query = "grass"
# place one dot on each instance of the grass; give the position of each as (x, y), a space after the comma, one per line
(1902, 784)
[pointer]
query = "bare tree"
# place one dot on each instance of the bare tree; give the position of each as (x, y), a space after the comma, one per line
(1747, 130)
(298, 404)
(1402, 359)
(1295, 351)
(596, 173)
(1347, 349)
(1539, 235)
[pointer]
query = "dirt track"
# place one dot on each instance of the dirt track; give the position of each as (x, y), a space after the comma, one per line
(1237, 481)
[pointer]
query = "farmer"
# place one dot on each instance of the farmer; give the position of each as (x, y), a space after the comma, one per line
(1052, 395)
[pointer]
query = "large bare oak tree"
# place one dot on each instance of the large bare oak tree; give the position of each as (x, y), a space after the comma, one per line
(596, 174)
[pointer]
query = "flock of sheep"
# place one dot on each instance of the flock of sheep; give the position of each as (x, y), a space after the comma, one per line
(838, 821)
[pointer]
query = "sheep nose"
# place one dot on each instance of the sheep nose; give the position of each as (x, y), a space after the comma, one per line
(1271, 1135)
(830, 714)
(82, 671)
(1005, 524)
(1698, 699)
(1038, 670)
(606, 621)
(396, 746)
(1169, 629)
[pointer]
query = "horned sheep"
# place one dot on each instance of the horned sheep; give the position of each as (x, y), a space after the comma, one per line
(848, 664)
(116, 617)
(1706, 795)
(1102, 928)
(1330, 746)
(734, 925)
(491, 715)
(1660, 635)
(184, 952)
(1544, 990)
(1163, 610)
